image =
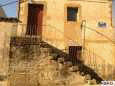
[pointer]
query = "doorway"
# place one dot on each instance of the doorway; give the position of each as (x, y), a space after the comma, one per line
(75, 53)
(35, 19)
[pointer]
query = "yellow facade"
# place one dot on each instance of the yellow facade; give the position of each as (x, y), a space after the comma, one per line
(97, 42)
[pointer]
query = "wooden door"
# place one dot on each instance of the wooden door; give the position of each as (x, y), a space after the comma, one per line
(75, 52)
(35, 19)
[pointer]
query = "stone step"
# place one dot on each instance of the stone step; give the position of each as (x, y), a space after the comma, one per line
(68, 64)
(61, 60)
(87, 77)
(54, 56)
(73, 69)
(45, 51)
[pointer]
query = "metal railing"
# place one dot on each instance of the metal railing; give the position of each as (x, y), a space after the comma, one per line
(94, 60)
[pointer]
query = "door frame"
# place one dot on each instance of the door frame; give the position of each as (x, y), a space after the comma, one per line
(44, 12)
(35, 19)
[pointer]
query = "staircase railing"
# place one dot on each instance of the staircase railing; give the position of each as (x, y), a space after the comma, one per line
(95, 61)
(52, 36)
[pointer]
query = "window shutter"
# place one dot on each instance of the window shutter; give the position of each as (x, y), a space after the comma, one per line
(113, 13)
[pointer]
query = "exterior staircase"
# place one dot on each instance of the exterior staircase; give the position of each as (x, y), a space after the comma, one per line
(73, 64)
(45, 53)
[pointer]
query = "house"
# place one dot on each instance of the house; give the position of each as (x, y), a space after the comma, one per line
(81, 28)
(77, 25)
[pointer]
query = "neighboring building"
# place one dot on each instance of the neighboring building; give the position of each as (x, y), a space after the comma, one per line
(2, 13)
(79, 23)
(8, 28)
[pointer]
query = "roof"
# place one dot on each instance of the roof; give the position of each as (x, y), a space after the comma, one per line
(10, 19)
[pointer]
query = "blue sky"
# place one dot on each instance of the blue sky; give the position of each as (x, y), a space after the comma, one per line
(10, 10)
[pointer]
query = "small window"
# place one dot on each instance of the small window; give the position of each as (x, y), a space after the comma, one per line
(72, 13)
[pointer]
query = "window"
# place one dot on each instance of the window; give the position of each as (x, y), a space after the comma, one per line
(72, 13)
(113, 13)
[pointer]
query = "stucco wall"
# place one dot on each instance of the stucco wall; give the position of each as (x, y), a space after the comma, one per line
(99, 41)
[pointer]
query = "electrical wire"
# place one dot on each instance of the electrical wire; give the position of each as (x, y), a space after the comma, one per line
(9, 3)
(3, 2)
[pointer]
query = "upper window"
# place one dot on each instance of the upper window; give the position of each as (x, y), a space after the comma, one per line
(72, 13)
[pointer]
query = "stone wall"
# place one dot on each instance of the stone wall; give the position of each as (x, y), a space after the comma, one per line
(32, 65)
(6, 30)
(22, 62)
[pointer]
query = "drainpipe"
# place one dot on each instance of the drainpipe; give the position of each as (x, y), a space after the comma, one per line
(83, 39)
(18, 9)
(84, 23)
